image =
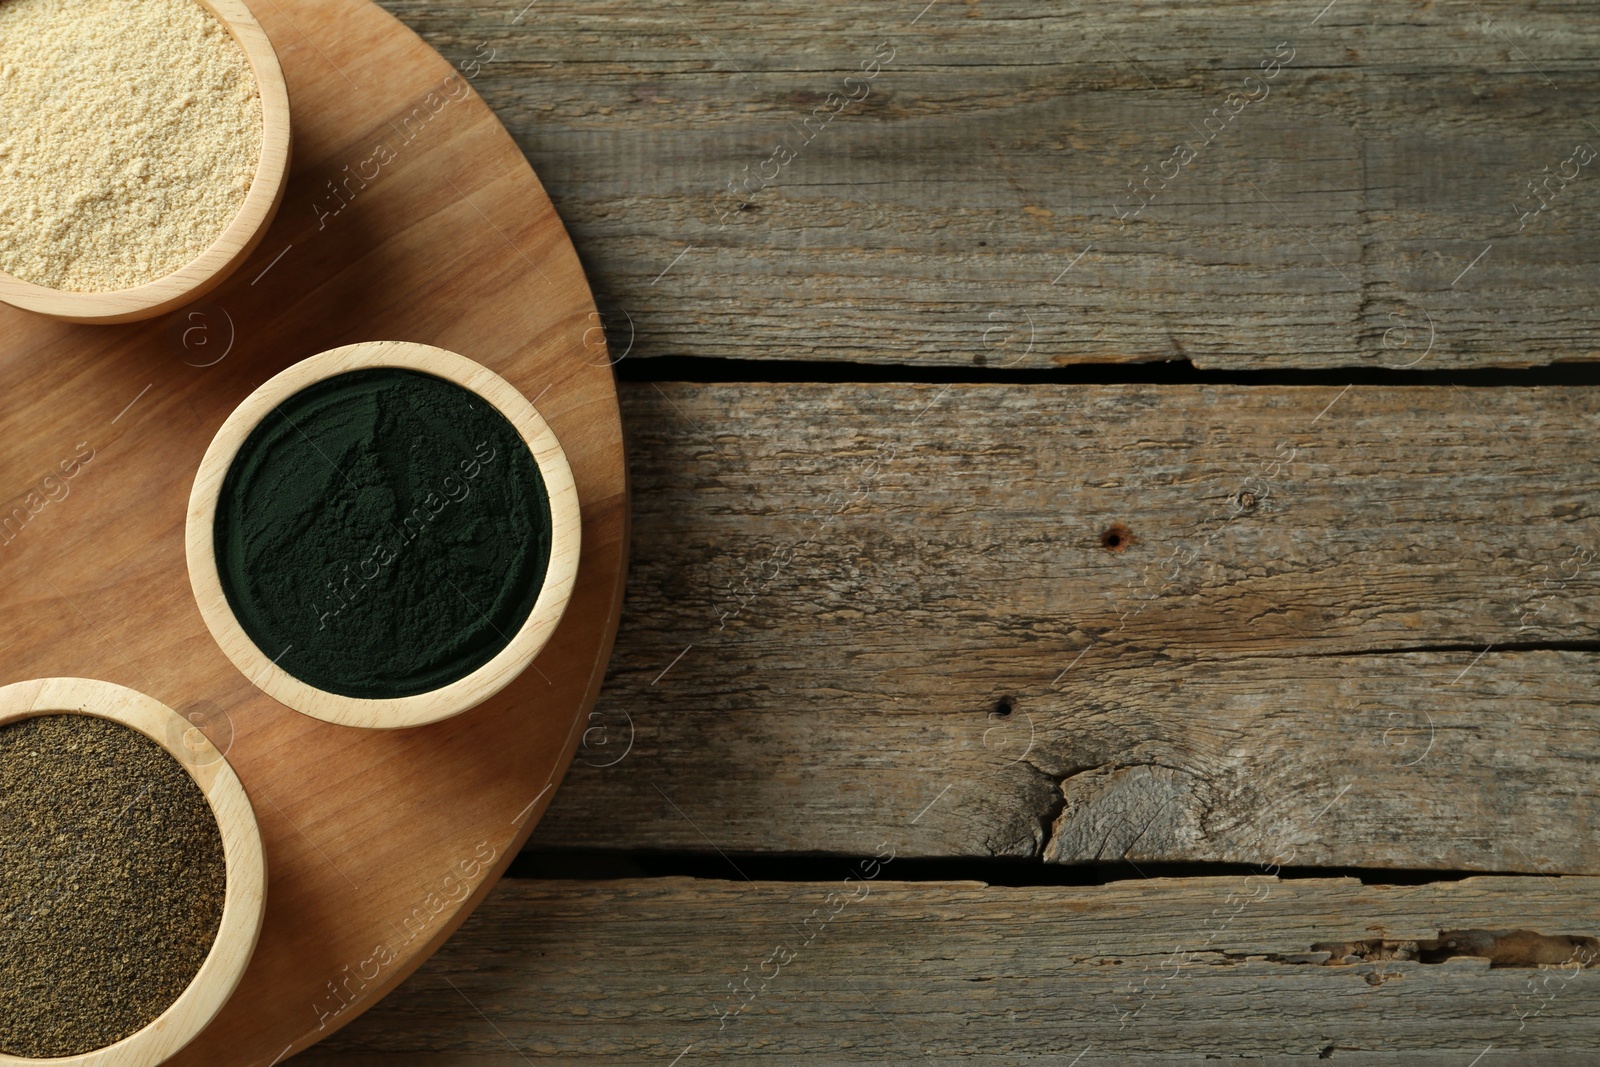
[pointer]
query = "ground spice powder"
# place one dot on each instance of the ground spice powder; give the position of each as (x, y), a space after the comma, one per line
(111, 883)
(382, 533)
(130, 131)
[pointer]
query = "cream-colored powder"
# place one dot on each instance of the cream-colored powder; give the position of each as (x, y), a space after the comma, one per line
(129, 135)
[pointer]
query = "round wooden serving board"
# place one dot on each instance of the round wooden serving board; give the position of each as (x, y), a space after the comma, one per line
(378, 843)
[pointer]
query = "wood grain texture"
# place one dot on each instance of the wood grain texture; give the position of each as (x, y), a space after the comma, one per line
(850, 601)
(378, 842)
(1330, 221)
(1165, 971)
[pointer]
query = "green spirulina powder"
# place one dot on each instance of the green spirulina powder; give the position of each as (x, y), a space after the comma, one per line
(382, 533)
(112, 880)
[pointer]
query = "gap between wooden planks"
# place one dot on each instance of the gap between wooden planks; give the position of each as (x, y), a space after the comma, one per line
(637, 971)
(1363, 200)
(1349, 628)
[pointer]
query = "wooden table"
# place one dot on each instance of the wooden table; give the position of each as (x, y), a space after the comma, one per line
(1135, 466)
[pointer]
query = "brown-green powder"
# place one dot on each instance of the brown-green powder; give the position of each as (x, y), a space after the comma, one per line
(111, 883)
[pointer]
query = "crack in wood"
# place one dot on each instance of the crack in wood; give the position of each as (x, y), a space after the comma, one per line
(1499, 647)
(1501, 948)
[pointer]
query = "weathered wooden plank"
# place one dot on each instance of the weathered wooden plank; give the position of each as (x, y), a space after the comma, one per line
(1164, 971)
(1329, 215)
(848, 603)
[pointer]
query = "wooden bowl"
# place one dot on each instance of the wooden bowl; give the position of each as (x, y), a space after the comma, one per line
(233, 245)
(435, 704)
(245, 899)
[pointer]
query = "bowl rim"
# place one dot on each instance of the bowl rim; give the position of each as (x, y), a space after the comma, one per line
(245, 893)
(455, 697)
(236, 241)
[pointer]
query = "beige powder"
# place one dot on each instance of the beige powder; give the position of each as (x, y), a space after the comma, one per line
(129, 135)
